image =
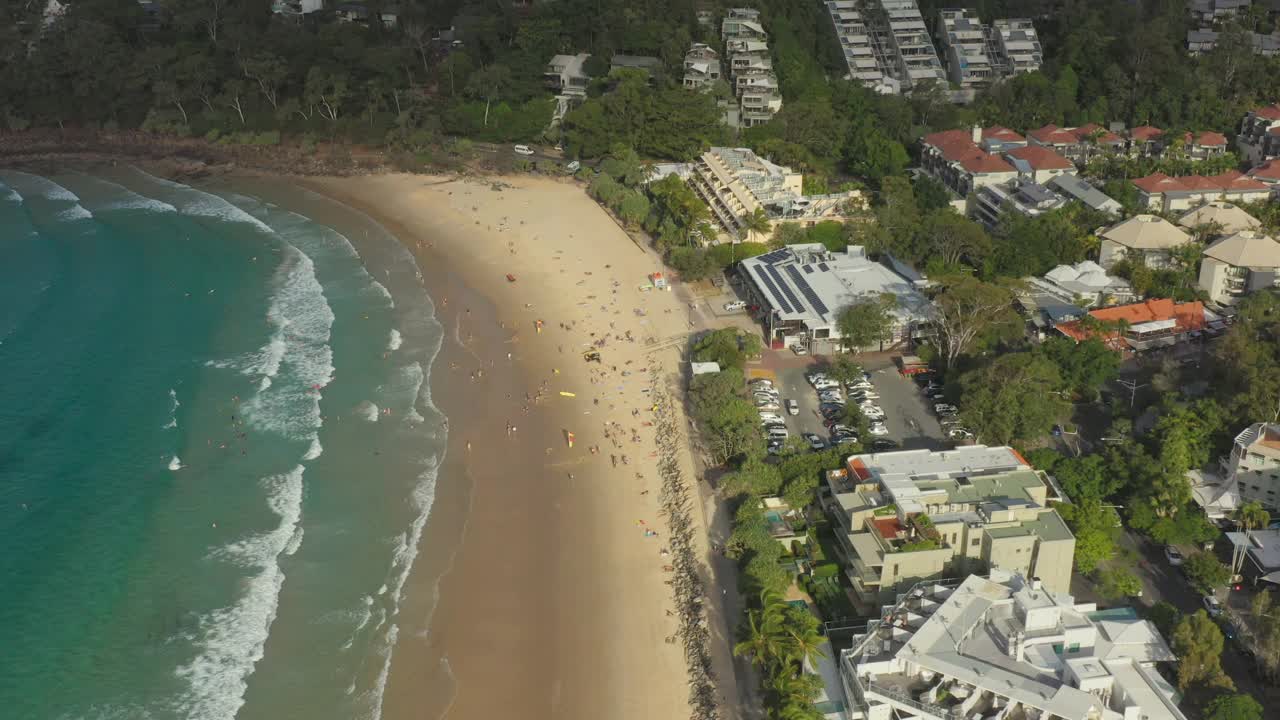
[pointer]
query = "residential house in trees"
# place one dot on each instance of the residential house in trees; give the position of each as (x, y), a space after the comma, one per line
(1078, 144)
(1146, 239)
(1268, 173)
(1148, 141)
(1225, 218)
(1164, 193)
(918, 515)
(701, 67)
(1142, 326)
(1254, 466)
(1038, 163)
(1241, 263)
(1259, 137)
(965, 49)
(750, 67)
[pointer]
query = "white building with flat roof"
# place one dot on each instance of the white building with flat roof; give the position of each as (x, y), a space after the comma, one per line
(1006, 647)
(800, 289)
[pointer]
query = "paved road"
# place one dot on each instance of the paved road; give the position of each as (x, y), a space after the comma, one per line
(1162, 582)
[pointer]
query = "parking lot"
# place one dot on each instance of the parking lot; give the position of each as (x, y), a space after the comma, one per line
(908, 416)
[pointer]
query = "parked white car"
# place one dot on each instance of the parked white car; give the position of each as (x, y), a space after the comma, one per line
(768, 417)
(793, 407)
(735, 306)
(878, 429)
(523, 150)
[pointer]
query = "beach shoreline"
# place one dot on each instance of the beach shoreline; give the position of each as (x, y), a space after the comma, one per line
(554, 601)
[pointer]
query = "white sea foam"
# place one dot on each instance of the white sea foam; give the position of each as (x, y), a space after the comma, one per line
(75, 212)
(232, 638)
(173, 409)
(314, 451)
(302, 319)
(396, 341)
(367, 411)
(175, 463)
(134, 201)
(12, 195)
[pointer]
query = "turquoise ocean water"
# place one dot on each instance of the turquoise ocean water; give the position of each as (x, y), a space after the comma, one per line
(217, 452)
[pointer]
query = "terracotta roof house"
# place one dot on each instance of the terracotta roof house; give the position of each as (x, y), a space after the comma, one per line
(1145, 238)
(1238, 265)
(1171, 194)
(1039, 163)
(1259, 137)
(1141, 326)
(1268, 173)
(959, 160)
(1227, 217)
(1078, 144)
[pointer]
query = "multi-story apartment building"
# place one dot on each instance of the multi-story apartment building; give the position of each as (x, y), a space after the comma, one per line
(905, 42)
(963, 40)
(914, 515)
(1006, 647)
(1259, 138)
(1241, 263)
(965, 160)
(1016, 45)
(1022, 197)
(701, 67)
(1039, 164)
(1203, 40)
(854, 34)
(750, 67)
(735, 182)
(1254, 464)
(1171, 194)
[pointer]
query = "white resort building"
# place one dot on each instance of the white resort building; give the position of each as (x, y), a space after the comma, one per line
(1006, 648)
(799, 289)
(735, 182)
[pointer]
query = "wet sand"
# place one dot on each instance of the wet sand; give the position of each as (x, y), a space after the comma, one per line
(551, 595)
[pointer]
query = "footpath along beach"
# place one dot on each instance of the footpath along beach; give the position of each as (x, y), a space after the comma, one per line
(566, 596)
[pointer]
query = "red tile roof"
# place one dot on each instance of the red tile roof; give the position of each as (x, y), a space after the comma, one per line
(1041, 158)
(1189, 316)
(1270, 112)
(957, 146)
(1269, 170)
(1145, 133)
(1210, 138)
(1232, 180)
(1157, 183)
(1105, 137)
(1003, 134)
(1053, 135)
(981, 161)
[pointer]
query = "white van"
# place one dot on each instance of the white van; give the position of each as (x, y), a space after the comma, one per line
(523, 150)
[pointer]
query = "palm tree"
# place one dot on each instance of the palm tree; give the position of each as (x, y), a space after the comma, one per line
(755, 222)
(1252, 516)
(763, 634)
(803, 641)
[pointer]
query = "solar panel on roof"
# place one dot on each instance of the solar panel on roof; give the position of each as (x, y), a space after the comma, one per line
(764, 278)
(785, 287)
(823, 267)
(807, 291)
(808, 269)
(774, 256)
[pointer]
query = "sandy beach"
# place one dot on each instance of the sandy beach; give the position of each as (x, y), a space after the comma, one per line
(554, 603)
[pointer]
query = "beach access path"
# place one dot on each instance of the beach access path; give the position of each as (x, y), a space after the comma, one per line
(556, 604)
